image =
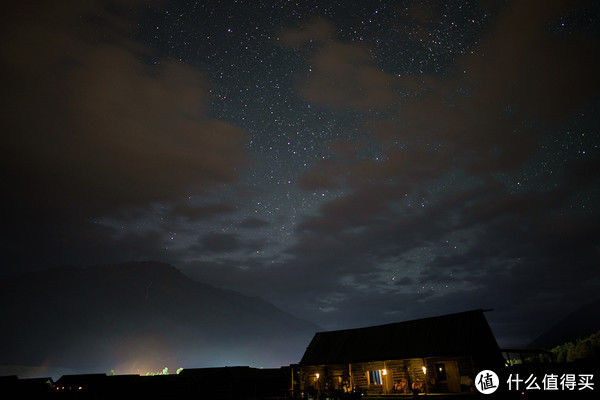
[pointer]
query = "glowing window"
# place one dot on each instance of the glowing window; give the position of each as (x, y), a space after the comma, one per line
(375, 377)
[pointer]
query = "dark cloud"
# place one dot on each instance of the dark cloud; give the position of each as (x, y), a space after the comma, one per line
(351, 211)
(92, 126)
(338, 276)
(253, 223)
(478, 119)
(344, 75)
(340, 74)
(322, 175)
(98, 127)
(438, 187)
(487, 114)
(316, 30)
(347, 149)
(514, 77)
(201, 212)
(405, 280)
(220, 243)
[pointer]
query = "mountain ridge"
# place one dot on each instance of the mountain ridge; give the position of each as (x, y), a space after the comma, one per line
(577, 324)
(141, 315)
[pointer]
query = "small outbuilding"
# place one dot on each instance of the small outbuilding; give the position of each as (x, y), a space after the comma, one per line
(440, 354)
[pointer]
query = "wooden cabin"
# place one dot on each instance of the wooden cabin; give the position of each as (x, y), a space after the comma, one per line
(441, 354)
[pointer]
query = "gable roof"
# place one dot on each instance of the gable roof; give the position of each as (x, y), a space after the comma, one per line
(465, 333)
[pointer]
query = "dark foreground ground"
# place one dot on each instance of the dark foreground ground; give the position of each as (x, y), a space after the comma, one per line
(231, 383)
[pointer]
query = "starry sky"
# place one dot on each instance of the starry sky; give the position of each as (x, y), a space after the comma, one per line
(353, 163)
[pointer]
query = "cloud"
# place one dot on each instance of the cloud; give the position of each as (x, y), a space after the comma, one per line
(341, 75)
(405, 280)
(434, 224)
(201, 212)
(448, 257)
(317, 30)
(345, 75)
(322, 175)
(220, 243)
(487, 113)
(98, 127)
(518, 74)
(430, 211)
(93, 126)
(253, 223)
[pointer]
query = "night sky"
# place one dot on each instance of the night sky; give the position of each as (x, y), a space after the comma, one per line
(354, 163)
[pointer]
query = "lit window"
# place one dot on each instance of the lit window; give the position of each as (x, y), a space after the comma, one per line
(375, 377)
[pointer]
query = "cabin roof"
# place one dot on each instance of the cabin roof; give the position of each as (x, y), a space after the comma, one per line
(460, 334)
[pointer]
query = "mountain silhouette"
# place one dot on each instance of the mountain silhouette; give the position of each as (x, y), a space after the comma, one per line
(578, 324)
(140, 316)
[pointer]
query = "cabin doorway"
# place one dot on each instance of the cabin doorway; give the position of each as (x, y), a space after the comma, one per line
(447, 378)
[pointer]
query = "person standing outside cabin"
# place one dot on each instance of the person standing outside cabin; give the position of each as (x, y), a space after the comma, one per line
(415, 388)
(466, 383)
(431, 384)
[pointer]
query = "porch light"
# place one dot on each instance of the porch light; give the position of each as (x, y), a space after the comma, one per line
(424, 369)
(317, 375)
(384, 372)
